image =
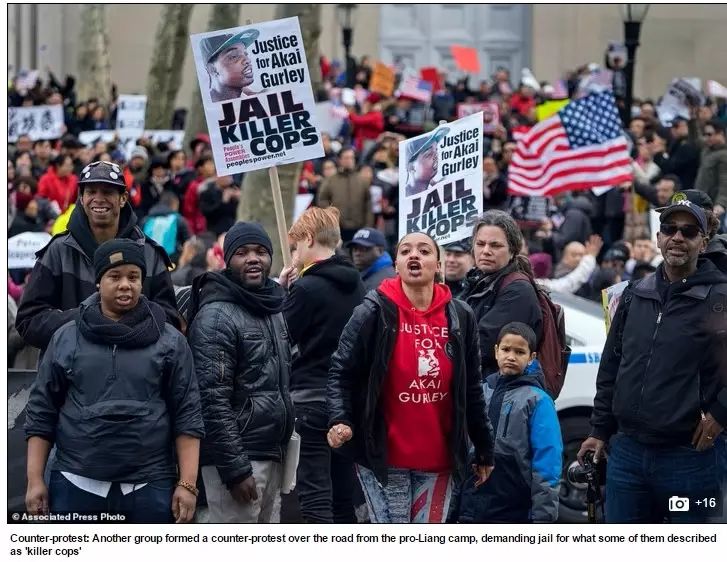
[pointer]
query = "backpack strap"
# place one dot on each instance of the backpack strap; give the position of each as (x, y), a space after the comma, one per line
(511, 278)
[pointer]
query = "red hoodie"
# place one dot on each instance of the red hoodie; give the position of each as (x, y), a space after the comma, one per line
(417, 392)
(366, 127)
(63, 191)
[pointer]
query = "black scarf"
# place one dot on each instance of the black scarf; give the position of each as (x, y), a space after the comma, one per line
(80, 229)
(477, 281)
(140, 327)
(222, 286)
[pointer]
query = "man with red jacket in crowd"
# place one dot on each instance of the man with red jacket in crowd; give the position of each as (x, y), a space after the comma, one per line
(369, 124)
(205, 169)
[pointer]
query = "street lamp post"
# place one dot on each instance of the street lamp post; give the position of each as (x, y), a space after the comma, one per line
(632, 15)
(345, 14)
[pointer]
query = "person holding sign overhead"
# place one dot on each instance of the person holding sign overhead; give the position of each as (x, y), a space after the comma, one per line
(422, 162)
(229, 65)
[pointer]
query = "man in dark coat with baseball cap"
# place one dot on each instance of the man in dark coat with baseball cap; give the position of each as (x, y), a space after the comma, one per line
(228, 64)
(63, 276)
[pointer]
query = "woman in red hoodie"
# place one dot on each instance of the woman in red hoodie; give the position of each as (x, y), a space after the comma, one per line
(404, 391)
(369, 125)
(59, 183)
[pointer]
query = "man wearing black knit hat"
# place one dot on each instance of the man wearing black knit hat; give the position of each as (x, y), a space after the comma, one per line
(242, 357)
(63, 276)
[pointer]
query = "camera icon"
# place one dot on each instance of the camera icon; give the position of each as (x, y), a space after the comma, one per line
(677, 503)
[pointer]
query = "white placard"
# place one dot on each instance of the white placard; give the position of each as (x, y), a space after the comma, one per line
(130, 115)
(681, 93)
(22, 249)
(257, 96)
(39, 122)
(440, 181)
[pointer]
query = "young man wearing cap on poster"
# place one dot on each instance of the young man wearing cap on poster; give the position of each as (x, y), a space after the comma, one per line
(242, 358)
(457, 262)
(63, 275)
(661, 393)
(369, 256)
(422, 162)
(228, 64)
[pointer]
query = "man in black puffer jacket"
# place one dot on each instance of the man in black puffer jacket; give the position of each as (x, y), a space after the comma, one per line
(319, 304)
(242, 357)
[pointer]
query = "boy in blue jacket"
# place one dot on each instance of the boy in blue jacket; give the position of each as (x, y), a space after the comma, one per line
(524, 486)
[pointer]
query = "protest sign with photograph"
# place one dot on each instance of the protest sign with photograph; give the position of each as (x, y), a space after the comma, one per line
(257, 96)
(440, 181)
(38, 122)
(610, 299)
(383, 80)
(490, 113)
(22, 249)
(682, 93)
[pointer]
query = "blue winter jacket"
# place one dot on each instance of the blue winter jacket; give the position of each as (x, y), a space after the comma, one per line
(525, 483)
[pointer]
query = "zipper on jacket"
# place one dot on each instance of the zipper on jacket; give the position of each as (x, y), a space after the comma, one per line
(113, 362)
(281, 385)
(648, 363)
(507, 421)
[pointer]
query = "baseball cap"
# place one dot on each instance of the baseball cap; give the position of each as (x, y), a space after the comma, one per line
(368, 238)
(696, 196)
(462, 246)
(102, 172)
(616, 254)
(418, 145)
(213, 46)
(685, 206)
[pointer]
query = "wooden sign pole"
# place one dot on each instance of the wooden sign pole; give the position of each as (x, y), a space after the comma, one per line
(280, 214)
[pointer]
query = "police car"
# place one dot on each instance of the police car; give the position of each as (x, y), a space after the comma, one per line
(586, 334)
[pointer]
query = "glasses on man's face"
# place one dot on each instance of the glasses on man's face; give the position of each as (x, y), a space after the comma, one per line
(690, 231)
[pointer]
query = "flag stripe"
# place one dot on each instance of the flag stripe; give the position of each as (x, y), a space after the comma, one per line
(540, 129)
(577, 181)
(596, 166)
(540, 167)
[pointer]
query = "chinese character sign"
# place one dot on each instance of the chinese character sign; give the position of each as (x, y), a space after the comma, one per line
(38, 122)
(440, 181)
(257, 96)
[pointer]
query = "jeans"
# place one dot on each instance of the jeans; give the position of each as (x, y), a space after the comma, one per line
(641, 479)
(325, 479)
(223, 508)
(410, 496)
(149, 504)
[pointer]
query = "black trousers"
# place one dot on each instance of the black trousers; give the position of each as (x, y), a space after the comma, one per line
(326, 479)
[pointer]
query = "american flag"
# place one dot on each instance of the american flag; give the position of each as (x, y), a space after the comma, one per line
(415, 88)
(580, 147)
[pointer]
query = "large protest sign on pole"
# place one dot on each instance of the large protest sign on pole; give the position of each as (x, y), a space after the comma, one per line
(257, 96)
(440, 181)
(39, 122)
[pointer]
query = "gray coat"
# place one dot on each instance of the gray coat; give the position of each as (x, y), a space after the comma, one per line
(712, 176)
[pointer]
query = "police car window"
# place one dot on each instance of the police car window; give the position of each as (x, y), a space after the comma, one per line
(573, 341)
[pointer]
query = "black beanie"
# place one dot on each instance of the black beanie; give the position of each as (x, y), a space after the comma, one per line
(245, 233)
(119, 251)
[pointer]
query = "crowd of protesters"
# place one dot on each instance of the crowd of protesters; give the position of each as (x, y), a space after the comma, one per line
(381, 414)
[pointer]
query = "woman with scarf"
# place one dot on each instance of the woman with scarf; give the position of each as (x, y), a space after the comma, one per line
(404, 392)
(117, 394)
(496, 297)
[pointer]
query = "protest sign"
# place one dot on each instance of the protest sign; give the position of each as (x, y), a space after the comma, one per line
(682, 93)
(431, 74)
(616, 54)
(466, 58)
(382, 80)
(490, 113)
(610, 299)
(130, 115)
(175, 139)
(330, 118)
(38, 122)
(257, 96)
(549, 108)
(716, 89)
(348, 96)
(90, 137)
(22, 249)
(597, 81)
(440, 181)
(26, 80)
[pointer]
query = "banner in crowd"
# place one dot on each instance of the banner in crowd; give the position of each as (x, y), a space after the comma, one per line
(682, 93)
(431, 74)
(127, 140)
(490, 113)
(38, 122)
(22, 249)
(26, 80)
(383, 80)
(440, 181)
(598, 81)
(413, 87)
(130, 116)
(257, 96)
(175, 139)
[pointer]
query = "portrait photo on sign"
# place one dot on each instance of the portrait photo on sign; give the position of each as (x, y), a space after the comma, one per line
(440, 180)
(257, 96)
(229, 64)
